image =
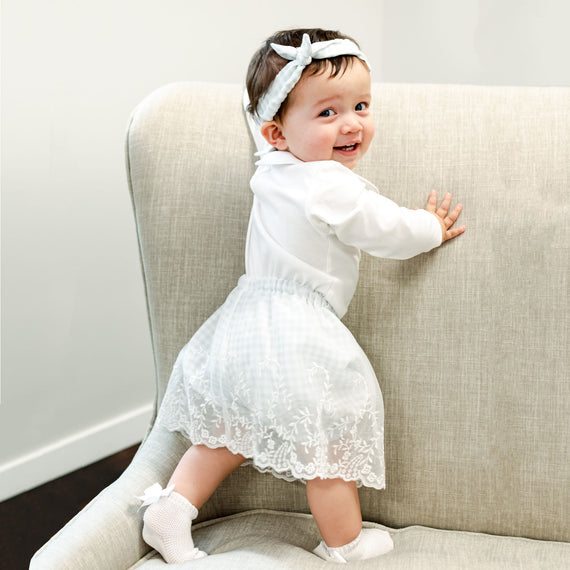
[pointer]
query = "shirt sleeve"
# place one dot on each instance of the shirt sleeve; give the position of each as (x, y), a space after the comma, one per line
(344, 205)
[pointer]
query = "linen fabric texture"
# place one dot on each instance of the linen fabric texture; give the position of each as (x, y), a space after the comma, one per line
(264, 540)
(469, 342)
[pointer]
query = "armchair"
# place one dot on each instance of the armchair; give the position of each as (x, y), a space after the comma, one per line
(469, 342)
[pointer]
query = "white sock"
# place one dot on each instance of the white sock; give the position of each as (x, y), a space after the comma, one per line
(369, 543)
(166, 528)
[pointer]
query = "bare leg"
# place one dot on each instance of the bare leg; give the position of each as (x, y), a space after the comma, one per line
(201, 470)
(335, 506)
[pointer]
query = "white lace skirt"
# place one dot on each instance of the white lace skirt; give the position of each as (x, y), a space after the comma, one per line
(275, 376)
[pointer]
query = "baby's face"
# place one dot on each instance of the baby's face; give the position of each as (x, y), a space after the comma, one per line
(329, 118)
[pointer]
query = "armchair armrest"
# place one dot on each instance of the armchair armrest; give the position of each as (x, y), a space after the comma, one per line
(107, 532)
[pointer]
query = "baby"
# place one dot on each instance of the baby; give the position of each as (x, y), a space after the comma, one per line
(273, 378)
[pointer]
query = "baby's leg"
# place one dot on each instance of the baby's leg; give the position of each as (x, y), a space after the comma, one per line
(335, 506)
(167, 521)
(201, 470)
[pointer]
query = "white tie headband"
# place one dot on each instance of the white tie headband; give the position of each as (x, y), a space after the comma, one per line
(299, 58)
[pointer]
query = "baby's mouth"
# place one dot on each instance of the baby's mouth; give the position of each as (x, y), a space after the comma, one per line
(347, 147)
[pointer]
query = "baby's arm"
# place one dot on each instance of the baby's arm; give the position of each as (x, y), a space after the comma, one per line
(359, 216)
(444, 216)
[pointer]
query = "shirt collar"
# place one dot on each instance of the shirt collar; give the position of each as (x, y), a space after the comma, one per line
(277, 157)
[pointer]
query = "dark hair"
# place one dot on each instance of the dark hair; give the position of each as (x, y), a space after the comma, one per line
(266, 63)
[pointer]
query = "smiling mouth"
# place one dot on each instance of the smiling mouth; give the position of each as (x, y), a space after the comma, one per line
(347, 148)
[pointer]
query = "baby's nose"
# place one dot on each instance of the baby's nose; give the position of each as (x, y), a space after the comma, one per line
(351, 125)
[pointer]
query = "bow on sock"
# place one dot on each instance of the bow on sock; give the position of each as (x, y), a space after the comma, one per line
(154, 493)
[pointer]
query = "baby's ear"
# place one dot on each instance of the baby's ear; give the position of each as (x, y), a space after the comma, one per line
(273, 134)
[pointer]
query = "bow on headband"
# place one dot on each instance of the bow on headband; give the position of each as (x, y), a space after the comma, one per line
(299, 58)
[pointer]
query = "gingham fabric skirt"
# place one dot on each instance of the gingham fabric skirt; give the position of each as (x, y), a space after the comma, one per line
(275, 376)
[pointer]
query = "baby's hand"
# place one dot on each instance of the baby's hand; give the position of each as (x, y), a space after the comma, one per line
(444, 216)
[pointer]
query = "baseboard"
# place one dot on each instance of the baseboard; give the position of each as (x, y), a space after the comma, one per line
(73, 452)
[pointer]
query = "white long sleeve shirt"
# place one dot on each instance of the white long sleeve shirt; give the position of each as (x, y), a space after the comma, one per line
(310, 221)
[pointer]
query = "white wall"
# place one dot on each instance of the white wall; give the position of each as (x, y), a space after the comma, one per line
(488, 42)
(77, 369)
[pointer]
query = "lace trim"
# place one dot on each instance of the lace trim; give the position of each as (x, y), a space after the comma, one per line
(297, 472)
(294, 449)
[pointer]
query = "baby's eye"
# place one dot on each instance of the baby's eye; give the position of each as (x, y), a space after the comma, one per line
(326, 113)
(361, 106)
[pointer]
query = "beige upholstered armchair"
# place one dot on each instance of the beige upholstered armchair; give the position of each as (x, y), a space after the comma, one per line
(470, 342)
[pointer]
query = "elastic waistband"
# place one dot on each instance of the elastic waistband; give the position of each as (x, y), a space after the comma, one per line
(287, 286)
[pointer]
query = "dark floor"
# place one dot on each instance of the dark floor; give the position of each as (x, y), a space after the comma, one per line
(28, 520)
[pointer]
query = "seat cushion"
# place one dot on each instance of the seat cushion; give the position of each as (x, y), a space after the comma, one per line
(277, 540)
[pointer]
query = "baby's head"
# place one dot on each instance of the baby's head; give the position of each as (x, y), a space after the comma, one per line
(309, 91)
(267, 63)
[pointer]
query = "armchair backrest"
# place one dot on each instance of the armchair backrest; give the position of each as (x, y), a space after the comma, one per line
(469, 342)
